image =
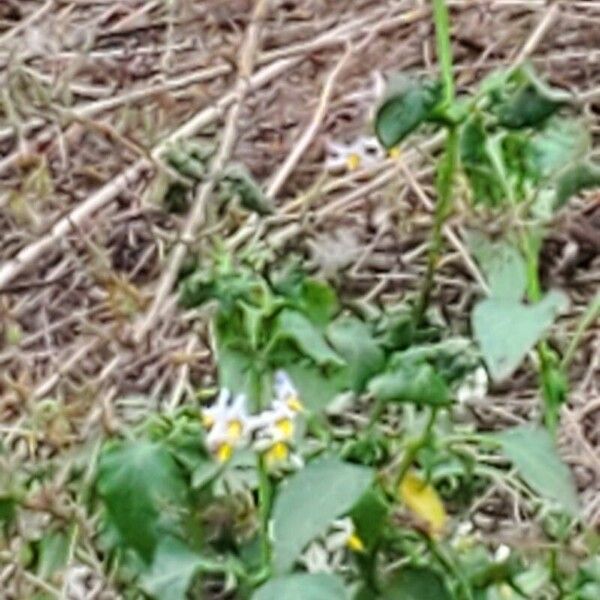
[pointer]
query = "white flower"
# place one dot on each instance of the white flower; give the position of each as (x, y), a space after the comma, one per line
(228, 423)
(362, 152)
(474, 387)
(344, 536)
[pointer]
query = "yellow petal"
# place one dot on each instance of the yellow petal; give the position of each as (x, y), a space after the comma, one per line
(295, 404)
(224, 452)
(286, 427)
(423, 500)
(234, 430)
(355, 543)
(353, 162)
(277, 453)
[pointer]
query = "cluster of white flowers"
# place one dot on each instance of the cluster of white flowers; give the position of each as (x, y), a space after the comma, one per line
(270, 432)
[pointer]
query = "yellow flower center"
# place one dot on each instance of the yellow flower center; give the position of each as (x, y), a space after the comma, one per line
(224, 452)
(234, 430)
(394, 152)
(353, 162)
(277, 453)
(286, 427)
(355, 543)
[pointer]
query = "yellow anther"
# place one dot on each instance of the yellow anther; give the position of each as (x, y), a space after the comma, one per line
(207, 420)
(286, 427)
(277, 453)
(355, 543)
(224, 452)
(353, 162)
(234, 430)
(295, 404)
(394, 152)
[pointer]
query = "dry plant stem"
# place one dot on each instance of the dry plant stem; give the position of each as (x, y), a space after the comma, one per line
(307, 137)
(28, 255)
(198, 213)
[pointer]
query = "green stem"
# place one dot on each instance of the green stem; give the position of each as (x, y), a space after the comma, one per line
(590, 315)
(413, 448)
(448, 164)
(545, 355)
(264, 508)
(444, 48)
(445, 187)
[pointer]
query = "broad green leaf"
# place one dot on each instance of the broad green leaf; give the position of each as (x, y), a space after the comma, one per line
(503, 266)
(560, 144)
(237, 182)
(294, 326)
(416, 583)
(309, 501)
(316, 388)
(318, 301)
(424, 501)
(302, 586)
(506, 329)
(353, 340)
(143, 491)
(533, 452)
(578, 178)
(172, 570)
(407, 104)
(417, 383)
(529, 103)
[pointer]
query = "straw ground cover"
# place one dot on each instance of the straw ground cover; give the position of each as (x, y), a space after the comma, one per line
(192, 200)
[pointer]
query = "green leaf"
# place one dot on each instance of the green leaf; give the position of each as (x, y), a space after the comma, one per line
(560, 144)
(143, 491)
(578, 178)
(237, 182)
(370, 516)
(529, 103)
(294, 326)
(354, 341)
(485, 181)
(302, 586)
(309, 501)
(172, 571)
(416, 583)
(533, 452)
(506, 329)
(417, 383)
(53, 553)
(318, 301)
(407, 104)
(316, 388)
(503, 265)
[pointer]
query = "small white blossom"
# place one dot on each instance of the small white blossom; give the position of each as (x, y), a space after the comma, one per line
(228, 423)
(364, 152)
(474, 387)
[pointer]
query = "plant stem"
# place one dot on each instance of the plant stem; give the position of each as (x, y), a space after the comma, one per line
(448, 164)
(413, 448)
(445, 188)
(548, 364)
(264, 508)
(444, 48)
